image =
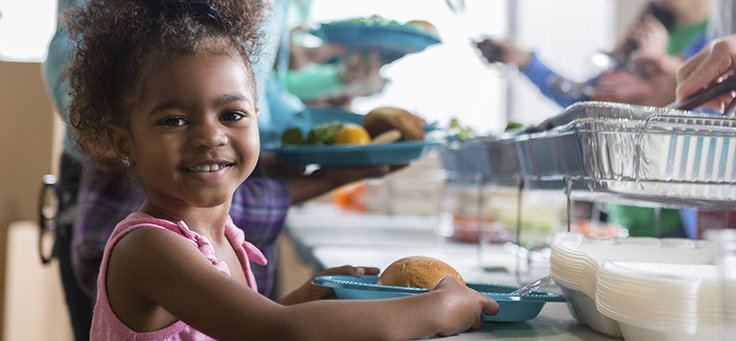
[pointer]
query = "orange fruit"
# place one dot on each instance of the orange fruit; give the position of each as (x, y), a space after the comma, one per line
(352, 134)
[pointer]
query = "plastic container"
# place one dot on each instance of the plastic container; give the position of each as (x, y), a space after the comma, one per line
(601, 298)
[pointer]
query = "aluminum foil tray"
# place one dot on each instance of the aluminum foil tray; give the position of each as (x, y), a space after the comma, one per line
(634, 155)
(492, 158)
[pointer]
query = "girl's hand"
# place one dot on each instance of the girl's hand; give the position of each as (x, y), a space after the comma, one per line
(717, 61)
(310, 292)
(462, 307)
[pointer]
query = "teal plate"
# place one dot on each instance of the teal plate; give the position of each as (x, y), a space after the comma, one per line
(391, 41)
(512, 308)
(333, 155)
(399, 152)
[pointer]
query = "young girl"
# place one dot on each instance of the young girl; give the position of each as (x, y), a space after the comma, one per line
(169, 85)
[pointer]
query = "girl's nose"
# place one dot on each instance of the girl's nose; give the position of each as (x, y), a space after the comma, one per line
(208, 135)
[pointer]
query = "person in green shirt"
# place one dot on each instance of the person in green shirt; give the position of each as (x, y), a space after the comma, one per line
(664, 49)
(687, 35)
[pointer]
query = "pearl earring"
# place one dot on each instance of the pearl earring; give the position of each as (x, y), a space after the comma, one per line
(126, 161)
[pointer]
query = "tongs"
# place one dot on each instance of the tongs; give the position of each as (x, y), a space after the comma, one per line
(457, 7)
(475, 35)
(696, 100)
(706, 95)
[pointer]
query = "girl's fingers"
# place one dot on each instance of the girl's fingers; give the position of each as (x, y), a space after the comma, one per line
(349, 271)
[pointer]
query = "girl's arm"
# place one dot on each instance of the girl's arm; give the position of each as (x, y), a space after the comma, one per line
(151, 267)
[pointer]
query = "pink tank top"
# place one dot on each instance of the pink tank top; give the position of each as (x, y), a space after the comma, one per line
(106, 326)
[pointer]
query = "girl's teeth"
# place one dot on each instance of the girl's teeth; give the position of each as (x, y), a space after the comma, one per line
(206, 168)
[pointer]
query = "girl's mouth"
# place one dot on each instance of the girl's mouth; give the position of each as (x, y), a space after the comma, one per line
(207, 167)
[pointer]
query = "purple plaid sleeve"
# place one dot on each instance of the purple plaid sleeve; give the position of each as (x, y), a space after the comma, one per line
(103, 201)
(259, 209)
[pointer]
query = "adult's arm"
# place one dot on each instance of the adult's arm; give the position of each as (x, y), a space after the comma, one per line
(540, 75)
(506, 51)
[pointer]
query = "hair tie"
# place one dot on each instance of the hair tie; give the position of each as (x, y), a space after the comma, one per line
(198, 9)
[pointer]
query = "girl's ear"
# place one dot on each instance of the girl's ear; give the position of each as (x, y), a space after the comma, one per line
(119, 139)
(258, 112)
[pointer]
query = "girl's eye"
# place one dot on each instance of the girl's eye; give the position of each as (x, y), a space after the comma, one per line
(232, 116)
(173, 122)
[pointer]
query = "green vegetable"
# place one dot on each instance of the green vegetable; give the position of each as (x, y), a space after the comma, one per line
(513, 125)
(292, 137)
(324, 133)
(462, 133)
(372, 20)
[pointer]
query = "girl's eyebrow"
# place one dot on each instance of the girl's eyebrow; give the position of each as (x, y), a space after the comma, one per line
(177, 103)
(225, 99)
(184, 104)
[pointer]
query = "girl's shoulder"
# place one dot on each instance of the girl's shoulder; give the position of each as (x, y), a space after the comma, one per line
(138, 220)
(148, 242)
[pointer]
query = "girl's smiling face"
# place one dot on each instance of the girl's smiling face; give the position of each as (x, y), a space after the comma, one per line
(193, 137)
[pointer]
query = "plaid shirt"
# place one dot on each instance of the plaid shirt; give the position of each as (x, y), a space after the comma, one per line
(259, 208)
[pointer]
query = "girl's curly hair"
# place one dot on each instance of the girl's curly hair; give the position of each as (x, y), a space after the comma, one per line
(116, 39)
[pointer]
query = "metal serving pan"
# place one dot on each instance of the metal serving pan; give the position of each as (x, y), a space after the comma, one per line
(488, 159)
(635, 155)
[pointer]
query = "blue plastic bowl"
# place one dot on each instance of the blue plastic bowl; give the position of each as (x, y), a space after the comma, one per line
(512, 308)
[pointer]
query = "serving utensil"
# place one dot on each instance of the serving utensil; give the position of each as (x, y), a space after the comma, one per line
(474, 34)
(531, 287)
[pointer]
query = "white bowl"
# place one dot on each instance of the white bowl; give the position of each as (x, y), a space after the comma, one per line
(634, 333)
(582, 307)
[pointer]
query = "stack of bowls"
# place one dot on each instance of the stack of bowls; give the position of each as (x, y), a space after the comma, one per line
(656, 301)
(577, 266)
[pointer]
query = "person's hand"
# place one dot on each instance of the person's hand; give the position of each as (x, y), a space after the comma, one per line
(323, 53)
(504, 51)
(357, 67)
(274, 168)
(462, 309)
(310, 292)
(345, 175)
(654, 87)
(307, 186)
(300, 56)
(717, 61)
(652, 37)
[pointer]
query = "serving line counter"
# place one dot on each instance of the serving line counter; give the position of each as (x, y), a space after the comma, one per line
(327, 237)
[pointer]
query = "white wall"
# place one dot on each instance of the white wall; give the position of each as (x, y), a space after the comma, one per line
(36, 19)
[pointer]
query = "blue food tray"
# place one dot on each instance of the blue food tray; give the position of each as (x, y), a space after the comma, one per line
(398, 152)
(356, 155)
(391, 41)
(512, 308)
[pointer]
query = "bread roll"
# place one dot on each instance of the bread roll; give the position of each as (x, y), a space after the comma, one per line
(417, 272)
(424, 26)
(384, 119)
